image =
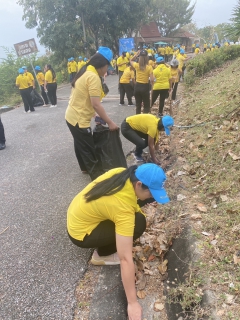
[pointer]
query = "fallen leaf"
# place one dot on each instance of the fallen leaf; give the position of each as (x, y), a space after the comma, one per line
(181, 197)
(163, 267)
(141, 283)
(201, 207)
(141, 294)
(206, 233)
(209, 136)
(224, 198)
(196, 216)
(181, 173)
(220, 312)
(151, 257)
(229, 298)
(158, 306)
(236, 258)
(236, 228)
(234, 157)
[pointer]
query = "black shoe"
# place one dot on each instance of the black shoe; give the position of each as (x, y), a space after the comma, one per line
(2, 146)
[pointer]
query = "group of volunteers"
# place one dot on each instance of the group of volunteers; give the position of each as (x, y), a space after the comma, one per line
(106, 214)
(73, 66)
(210, 47)
(146, 76)
(26, 83)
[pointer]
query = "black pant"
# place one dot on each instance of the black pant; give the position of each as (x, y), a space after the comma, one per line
(52, 93)
(174, 92)
(44, 95)
(27, 99)
(2, 135)
(128, 89)
(85, 150)
(103, 237)
(140, 139)
(73, 75)
(120, 73)
(164, 93)
(141, 92)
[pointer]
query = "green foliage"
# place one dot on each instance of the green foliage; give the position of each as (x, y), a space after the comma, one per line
(234, 30)
(208, 61)
(171, 15)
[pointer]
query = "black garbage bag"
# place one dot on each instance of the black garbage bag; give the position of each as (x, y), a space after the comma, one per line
(108, 148)
(36, 98)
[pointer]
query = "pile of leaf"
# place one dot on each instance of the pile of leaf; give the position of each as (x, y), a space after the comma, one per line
(150, 249)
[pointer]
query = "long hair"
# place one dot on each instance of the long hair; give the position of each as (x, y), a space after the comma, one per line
(112, 185)
(97, 61)
(143, 62)
(53, 72)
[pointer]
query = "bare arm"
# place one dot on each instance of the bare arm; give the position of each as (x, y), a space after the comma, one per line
(102, 113)
(124, 250)
(151, 78)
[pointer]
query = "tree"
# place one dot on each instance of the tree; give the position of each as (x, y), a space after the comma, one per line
(170, 15)
(62, 25)
(234, 29)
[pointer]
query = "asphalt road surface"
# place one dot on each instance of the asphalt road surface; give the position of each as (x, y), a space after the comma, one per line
(39, 176)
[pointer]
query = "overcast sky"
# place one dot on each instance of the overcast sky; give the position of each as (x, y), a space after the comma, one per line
(208, 12)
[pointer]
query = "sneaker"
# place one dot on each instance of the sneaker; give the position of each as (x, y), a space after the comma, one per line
(131, 105)
(121, 104)
(52, 106)
(139, 158)
(111, 260)
(28, 111)
(2, 146)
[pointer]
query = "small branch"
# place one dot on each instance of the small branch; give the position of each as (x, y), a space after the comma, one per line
(4, 230)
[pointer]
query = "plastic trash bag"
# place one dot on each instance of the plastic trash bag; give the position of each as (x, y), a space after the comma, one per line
(36, 98)
(108, 148)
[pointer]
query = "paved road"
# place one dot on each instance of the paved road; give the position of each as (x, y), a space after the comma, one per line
(39, 177)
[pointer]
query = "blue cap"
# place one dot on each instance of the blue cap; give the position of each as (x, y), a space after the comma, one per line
(24, 68)
(85, 59)
(167, 122)
(197, 45)
(182, 51)
(69, 59)
(160, 59)
(106, 52)
(144, 47)
(154, 178)
(37, 68)
(21, 71)
(156, 55)
(80, 57)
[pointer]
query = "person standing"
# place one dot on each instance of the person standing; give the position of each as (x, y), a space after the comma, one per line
(50, 85)
(127, 82)
(2, 136)
(162, 84)
(122, 62)
(143, 130)
(23, 82)
(84, 103)
(182, 58)
(144, 72)
(105, 215)
(73, 67)
(41, 80)
(31, 78)
(175, 76)
(81, 63)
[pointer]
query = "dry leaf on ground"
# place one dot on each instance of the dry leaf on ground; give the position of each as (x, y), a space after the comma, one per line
(196, 216)
(158, 306)
(141, 283)
(141, 294)
(236, 258)
(163, 267)
(233, 156)
(181, 197)
(201, 207)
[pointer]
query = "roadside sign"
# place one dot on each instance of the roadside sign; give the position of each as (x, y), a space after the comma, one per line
(26, 47)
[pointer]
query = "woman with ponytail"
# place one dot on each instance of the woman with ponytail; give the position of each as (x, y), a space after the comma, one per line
(50, 85)
(84, 103)
(106, 215)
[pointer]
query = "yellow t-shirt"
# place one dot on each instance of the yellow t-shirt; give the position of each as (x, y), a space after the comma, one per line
(151, 63)
(193, 45)
(127, 75)
(23, 82)
(73, 66)
(68, 67)
(145, 123)
(30, 78)
(83, 217)
(150, 51)
(79, 108)
(181, 58)
(49, 77)
(40, 78)
(162, 51)
(142, 76)
(174, 74)
(205, 46)
(162, 74)
(208, 50)
(121, 60)
(197, 50)
(81, 64)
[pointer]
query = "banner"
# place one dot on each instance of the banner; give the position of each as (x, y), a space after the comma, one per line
(126, 44)
(25, 47)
